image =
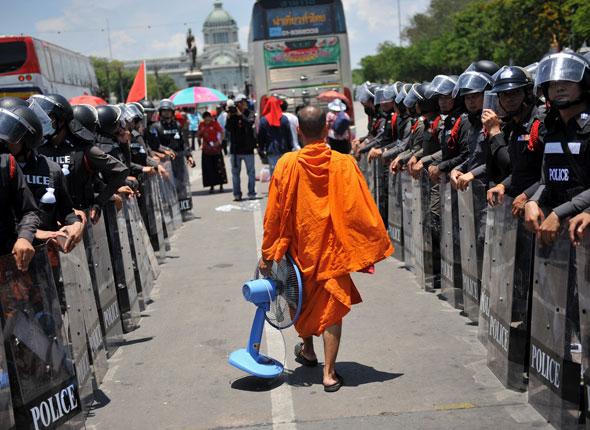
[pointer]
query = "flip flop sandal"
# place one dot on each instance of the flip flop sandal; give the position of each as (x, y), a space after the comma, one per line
(299, 358)
(335, 386)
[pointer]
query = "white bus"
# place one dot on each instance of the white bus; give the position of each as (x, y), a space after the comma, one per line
(31, 66)
(299, 49)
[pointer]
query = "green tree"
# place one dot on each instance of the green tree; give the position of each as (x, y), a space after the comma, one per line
(160, 87)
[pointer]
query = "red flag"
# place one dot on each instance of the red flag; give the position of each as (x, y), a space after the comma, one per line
(138, 90)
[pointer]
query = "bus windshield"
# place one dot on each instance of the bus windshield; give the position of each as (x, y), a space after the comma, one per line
(295, 18)
(12, 56)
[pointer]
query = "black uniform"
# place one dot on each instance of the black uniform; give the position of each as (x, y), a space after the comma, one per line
(81, 163)
(451, 138)
(141, 154)
(41, 173)
(565, 182)
(19, 215)
(472, 141)
(402, 132)
(119, 151)
(525, 151)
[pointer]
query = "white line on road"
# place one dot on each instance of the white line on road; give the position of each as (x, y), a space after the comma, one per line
(281, 398)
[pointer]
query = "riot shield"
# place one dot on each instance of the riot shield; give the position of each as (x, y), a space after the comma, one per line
(509, 294)
(395, 215)
(372, 172)
(41, 371)
(554, 372)
(418, 232)
(408, 206)
(84, 325)
(122, 264)
(103, 283)
(382, 189)
(148, 250)
(183, 184)
(451, 283)
(489, 257)
(149, 204)
(139, 251)
(471, 211)
(364, 167)
(6, 415)
(166, 211)
(583, 273)
(171, 194)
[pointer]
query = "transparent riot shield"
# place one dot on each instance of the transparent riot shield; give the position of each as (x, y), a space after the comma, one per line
(40, 367)
(382, 189)
(166, 211)
(103, 283)
(418, 232)
(148, 250)
(583, 272)
(554, 372)
(144, 271)
(87, 343)
(395, 216)
(372, 171)
(489, 257)
(408, 206)
(451, 283)
(364, 167)
(509, 294)
(151, 212)
(471, 205)
(6, 414)
(123, 270)
(172, 195)
(183, 184)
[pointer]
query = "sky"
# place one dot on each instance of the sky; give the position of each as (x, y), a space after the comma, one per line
(157, 28)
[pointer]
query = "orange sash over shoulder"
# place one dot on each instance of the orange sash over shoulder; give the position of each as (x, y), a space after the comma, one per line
(320, 210)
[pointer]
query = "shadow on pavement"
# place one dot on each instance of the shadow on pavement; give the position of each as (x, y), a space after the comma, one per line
(100, 401)
(252, 383)
(354, 374)
(134, 341)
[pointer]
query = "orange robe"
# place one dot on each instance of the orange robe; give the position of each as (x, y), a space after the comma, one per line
(321, 212)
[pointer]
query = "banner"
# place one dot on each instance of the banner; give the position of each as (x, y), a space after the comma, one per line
(302, 53)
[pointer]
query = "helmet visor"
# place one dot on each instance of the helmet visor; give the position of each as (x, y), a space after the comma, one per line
(379, 96)
(363, 94)
(13, 127)
(560, 67)
(48, 105)
(401, 95)
(44, 119)
(441, 85)
(412, 97)
(134, 110)
(472, 81)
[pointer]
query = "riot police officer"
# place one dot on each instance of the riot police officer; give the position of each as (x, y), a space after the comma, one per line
(71, 145)
(401, 126)
(519, 140)
(564, 79)
(46, 181)
(19, 215)
(141, 154)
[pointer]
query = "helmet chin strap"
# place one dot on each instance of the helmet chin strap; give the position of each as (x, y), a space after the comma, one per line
(558, 104)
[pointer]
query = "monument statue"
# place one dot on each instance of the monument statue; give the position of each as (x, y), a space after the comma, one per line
(191, 49)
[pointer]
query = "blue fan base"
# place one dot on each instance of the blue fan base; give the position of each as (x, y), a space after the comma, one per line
(266, 368)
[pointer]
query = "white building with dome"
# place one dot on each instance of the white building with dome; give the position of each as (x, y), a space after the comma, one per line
(223, 64)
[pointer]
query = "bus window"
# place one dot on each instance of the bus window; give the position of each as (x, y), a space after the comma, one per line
(12, 56)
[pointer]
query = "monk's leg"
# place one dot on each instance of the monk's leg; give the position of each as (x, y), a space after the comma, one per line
(331, 344)
(308, 351)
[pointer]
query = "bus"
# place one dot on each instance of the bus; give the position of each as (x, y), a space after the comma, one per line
(299, 49)
(31, 66)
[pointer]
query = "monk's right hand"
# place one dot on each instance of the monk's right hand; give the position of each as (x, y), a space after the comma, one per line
(264, 267)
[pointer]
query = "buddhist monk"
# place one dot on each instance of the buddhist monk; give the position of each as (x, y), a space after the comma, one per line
(320, 211)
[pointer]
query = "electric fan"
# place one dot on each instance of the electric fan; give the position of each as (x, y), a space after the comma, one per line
(278, 300)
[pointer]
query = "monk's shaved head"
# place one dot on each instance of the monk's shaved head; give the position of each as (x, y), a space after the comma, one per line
(312, 123)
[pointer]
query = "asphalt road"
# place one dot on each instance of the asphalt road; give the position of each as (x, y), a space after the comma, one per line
(409, 360)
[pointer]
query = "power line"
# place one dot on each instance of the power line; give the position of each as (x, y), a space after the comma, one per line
(106, 29)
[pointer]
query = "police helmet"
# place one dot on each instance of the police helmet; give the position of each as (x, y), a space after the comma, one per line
(484, 66)
(109, 120)
(12, 102)
(510, 78)
(472, 82)
(441, 85)
(55, 105)
(148, 106)
(21, 125)
(87, 116)
(166, 104)
(134, 113)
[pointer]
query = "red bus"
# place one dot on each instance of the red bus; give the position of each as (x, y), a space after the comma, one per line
(31, 66)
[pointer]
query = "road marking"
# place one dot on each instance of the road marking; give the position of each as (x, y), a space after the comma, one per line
(281, 398)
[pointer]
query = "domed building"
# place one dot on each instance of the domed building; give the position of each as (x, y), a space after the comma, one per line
(223, 63)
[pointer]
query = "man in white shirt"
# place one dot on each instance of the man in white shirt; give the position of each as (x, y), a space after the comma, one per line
(293, 122)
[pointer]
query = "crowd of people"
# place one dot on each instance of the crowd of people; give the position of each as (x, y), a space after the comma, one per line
(515, 140)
